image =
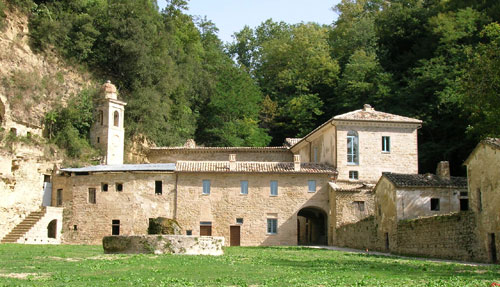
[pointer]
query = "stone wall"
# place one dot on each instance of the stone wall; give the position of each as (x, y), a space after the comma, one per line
(172, 156)
(347, 206)
(484, 194)
(402, 158)
(416, 202)
(88, 223)
(164, 244)
(22, 173)
(359, 235)
(225, 204)
(448, 236)
(38, 234)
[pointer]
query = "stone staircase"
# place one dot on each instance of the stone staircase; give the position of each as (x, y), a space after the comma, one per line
(25, 226)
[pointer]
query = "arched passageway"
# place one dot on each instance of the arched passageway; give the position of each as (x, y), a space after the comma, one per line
(312, 226)
(52, 229)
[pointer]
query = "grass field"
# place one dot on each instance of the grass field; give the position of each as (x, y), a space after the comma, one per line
(62, 265)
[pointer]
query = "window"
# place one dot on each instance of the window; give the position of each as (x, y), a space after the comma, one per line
(92, 195)
(479, 200)
(206, 186)
(274, 188)
(104, 187)
(98, 139)
(75, 227)
(158, 187)
(352, 147)
(205, 228)
(435, 204)
(353, 174)
(386, 144)
(101, 117)
(116, 119)
(360, 205)
(244, 187)
(119, 187)
(115, 227)
(59, 197)
(312, 185)
(189, 232)
(315, 154)
(464, 204)
(239, 220)
(272, 226)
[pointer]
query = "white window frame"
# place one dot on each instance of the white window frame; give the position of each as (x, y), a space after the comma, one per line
(272, 226)
(206, 187)
(273, 191)
(386, 144)
(311, 186)
(244, 187)
(352, 173)
(352, 148)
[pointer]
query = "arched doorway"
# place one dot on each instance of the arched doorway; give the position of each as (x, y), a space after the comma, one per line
(312, 226)
(52, 229)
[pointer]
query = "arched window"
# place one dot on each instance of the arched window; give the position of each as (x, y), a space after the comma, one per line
(352, 147)
(116, 117)
(52, 229)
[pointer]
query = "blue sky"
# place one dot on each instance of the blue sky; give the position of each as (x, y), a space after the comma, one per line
(231, 16)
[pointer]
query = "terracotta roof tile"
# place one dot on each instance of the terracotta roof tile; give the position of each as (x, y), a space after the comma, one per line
(351, 186)
(252, 167)
(291, 141)
(425, 180)
(370, 114)
(494, 142)
(224, 149)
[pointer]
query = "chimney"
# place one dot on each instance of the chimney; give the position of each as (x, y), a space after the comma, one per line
(443, 170)
(368, 108)
(296, 162)
(232, 162)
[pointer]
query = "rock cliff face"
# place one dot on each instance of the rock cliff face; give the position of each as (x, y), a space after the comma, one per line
(31, 84)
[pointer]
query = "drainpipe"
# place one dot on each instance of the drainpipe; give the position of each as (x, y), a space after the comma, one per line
(175, 196)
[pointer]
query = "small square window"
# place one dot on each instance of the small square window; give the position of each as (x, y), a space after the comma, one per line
(360, 205)
(239, 220)
(353, 175)
(311, 185)
(104, 187)
(92, 196)
(119, 187)
(75, 227)
(244, 187)
(435, 204)
(274, 188)
(386, 144)
(189, 232)
(272, 226)
(206, 186)
(158, 187)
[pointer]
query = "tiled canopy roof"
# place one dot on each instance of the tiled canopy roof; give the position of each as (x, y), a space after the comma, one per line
(223, 149)
(123, 167)
(291, 141)
(252, 167)
(425, 180)
(370, 114)
(351, 186)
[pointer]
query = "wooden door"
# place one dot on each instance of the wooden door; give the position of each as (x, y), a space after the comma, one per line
(205, 230)
(234, 236)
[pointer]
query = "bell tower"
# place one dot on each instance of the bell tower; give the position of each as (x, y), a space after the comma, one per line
(107, 132)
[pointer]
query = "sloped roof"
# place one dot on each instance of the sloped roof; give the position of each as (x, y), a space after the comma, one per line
(252, 167)
(351, 186)
(370, 114)
(494, 142)
(291, 141)
(123, 168)
(425, 180)
(223, 149)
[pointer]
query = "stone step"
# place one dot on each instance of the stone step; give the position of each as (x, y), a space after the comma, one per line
(25, 226)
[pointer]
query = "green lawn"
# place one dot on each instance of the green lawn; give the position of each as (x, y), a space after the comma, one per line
(63, 265)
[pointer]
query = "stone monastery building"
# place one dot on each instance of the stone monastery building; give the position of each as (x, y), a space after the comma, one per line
(294, 194)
